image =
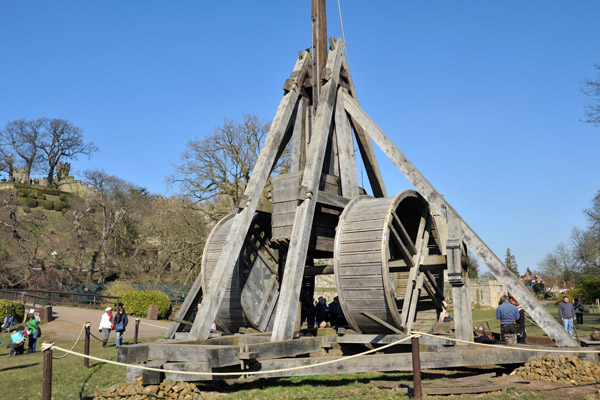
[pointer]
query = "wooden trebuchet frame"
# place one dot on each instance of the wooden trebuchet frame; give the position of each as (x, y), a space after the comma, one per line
(539, 314)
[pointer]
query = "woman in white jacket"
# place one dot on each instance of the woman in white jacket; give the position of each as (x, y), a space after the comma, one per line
(106, 324)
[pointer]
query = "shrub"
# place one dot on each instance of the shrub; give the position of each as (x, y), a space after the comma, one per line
(48, 204)
(63, 197)
(136, 303)
(21, 193)
(26, 209)
(118, 289)
(26, 201)
(11, 307)
(32, 194)
(59, 205)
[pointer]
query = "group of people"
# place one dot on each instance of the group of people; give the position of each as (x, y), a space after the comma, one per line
(512, 318)
(117, 323)
(22, 335)
(322, 313)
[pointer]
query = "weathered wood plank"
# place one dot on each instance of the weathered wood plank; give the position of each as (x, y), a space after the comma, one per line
(285, 314)
(540, 315)
(348, 175)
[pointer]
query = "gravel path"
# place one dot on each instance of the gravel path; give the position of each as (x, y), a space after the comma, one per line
(68, 321)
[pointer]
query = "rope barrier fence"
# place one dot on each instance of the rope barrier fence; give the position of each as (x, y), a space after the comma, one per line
(502, 346)
(52, 346)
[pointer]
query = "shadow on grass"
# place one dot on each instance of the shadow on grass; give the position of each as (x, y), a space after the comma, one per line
(18, 367)
(93, 369)
(332, 381)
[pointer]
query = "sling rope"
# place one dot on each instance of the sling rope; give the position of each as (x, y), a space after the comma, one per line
(48, 346)
(501, 346)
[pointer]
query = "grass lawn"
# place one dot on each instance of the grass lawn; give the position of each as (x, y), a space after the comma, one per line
(21, 376)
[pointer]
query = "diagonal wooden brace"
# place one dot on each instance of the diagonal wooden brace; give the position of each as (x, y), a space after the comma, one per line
(540, 315)
(213, 294)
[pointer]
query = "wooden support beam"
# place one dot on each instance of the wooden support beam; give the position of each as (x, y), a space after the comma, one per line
(380, 322)
(345, 142)
(285, 315)
(224, 269)
(299, 139)
(365, 147)
(540, 315)
(430, 262)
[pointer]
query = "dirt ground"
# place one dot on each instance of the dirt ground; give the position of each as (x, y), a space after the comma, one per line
(68, 321)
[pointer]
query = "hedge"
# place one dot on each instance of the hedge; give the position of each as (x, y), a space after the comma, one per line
(136, 303)
(11, 307)
(58, 205)
(48, 204)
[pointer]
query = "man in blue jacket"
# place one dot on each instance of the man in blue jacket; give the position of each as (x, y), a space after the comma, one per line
(508, 314)
(566, 314)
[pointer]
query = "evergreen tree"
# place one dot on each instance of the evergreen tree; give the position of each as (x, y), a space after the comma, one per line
(511, 262)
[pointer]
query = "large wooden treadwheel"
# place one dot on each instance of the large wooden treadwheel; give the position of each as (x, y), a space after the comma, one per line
(253, 289)
(379, 248)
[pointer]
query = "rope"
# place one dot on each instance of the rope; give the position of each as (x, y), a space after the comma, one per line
(49, 346)
(156, 326)
(506, 347)
(342, 23)
(74, 344)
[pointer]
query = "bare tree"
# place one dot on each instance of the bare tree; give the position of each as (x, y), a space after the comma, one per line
(109, 199)
(559, 264)
(592, 90)
(7, 161)
(61, 141)
(22, 139)
(219, 166)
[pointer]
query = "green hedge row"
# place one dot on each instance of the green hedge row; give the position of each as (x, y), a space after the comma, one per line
(55, 205)
(11, 307)
(136, 303)
(41, 189)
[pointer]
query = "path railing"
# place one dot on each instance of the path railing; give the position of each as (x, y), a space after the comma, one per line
(55, 297)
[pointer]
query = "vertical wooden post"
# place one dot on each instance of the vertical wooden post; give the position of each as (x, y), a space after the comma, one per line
(416, 362)
(86, 346)
(319, 45)
(135, 333)
(47, 375)
(94, 301)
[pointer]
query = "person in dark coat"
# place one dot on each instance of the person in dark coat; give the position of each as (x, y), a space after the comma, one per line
(579, 308)
(335, 312)
(521, 332)
(121, 322)
(322, 312)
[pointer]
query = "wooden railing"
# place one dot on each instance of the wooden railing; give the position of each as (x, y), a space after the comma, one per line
(53, 297)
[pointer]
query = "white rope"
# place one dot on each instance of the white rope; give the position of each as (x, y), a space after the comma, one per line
(48, 346)
(506, 347)
(156, 326)
(74, 344)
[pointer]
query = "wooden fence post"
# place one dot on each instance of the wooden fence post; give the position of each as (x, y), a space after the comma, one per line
(416, 362)
(86, 346)
(47, 375)
(135, 333)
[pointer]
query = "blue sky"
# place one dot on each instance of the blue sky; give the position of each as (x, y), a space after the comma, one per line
(483, 97)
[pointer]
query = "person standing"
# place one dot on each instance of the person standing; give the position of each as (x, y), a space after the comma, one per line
(579, 308)
(566, 314)
(106, 324)
(34, 332)
(521, 333)
(322, 312)
(508, 314)
(121, 322)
